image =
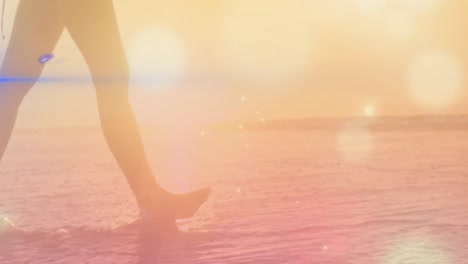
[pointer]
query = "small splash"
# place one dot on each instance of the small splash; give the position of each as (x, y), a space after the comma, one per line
(63, 231)
(46, 58)
(6, 226)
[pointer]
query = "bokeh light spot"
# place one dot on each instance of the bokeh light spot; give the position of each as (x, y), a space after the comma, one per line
(156, 56)
(369, 110)
(435, 80)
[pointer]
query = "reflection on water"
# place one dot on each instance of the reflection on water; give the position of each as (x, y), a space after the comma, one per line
(292, 197)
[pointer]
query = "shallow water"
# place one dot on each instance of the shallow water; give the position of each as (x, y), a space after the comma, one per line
(278, 197)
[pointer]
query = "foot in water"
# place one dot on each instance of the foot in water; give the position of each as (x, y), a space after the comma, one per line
(165, 208)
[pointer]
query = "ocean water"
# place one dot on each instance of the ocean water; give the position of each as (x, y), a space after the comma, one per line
(290, 196)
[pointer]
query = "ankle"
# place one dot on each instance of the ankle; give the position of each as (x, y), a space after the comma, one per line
(147, 192)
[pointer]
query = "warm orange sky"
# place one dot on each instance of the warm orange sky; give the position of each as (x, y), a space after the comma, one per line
(211, 60)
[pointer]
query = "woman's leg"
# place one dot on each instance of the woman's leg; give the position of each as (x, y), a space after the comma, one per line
(93, 26)
(36, 30)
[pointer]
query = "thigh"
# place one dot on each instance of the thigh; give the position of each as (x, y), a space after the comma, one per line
(36, 31)
(93, 26)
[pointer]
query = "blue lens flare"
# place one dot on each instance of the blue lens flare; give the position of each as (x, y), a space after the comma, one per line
(46, 58)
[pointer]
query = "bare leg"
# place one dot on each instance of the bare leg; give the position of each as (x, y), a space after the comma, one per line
(93, 26)
(36, 30)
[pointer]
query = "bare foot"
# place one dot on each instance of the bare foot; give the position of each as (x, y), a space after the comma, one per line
(187, 204)
(166, 207)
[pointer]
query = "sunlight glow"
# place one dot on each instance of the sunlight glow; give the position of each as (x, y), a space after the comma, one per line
(415, 7)
(156, 56)
(369, 110)
(355, 142)
(420, 6)
(401, 25)
(6, 225)
(265, 40)
(370, 7)
(435, 80)
(416, 249)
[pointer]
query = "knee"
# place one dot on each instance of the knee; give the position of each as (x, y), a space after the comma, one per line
(16, 79)
(11, 97)
(111, 80)
(110, 72)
